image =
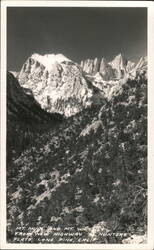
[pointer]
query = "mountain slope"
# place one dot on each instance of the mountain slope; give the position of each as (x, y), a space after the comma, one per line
(88, 173)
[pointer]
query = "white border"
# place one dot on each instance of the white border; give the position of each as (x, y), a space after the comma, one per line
(150, 6)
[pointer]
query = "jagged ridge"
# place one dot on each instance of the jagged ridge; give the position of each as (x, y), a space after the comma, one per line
(118, 68)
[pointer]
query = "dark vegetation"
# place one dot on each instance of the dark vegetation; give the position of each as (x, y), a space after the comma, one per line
(22, 134)
(60, 178)
(26, 120)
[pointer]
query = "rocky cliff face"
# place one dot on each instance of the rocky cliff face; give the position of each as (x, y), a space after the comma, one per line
(119, 64)
(58, 84)
(106, 71)
(117, 69)
(90, 66)
(140, 68)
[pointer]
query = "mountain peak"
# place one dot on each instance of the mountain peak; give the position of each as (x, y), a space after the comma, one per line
(103, 60)
(119, 60)
(49, 59)
(120, 55)
(58, 84)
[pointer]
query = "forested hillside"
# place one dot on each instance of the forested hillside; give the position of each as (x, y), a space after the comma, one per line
(89, 171)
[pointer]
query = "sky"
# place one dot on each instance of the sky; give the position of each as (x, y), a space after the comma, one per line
(76, 32)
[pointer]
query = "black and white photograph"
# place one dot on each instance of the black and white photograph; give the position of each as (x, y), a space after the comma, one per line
(76, 125)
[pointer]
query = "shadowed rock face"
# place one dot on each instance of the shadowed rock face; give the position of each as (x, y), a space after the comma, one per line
(22, 106)
(91, 66)
(25, 118)
(106, 70)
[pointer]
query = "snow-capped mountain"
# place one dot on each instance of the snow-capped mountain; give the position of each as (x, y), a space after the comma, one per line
(48, 60)
(61, 85)
(58, 84)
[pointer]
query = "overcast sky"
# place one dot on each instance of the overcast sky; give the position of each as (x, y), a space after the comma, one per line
(78, 33)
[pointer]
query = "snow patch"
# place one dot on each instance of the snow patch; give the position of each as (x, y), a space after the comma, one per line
(48, 60)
